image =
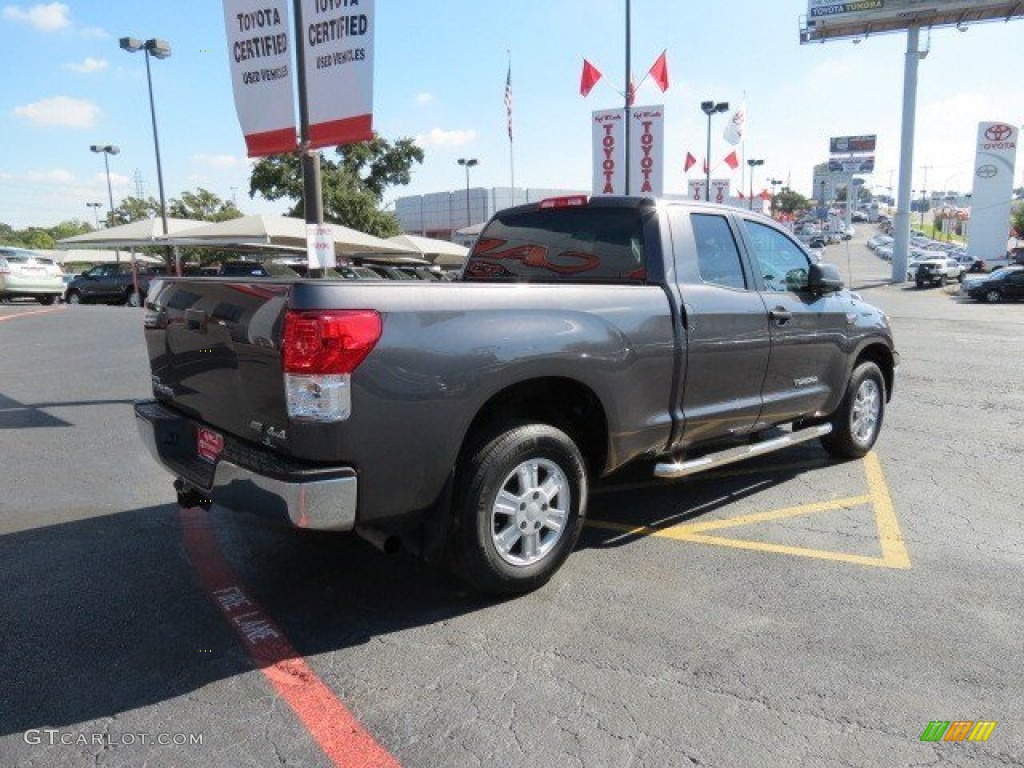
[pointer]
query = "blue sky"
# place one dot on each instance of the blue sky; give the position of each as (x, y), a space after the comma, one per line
(440, 74)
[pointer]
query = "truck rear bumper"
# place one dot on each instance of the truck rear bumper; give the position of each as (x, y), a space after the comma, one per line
(250, 478)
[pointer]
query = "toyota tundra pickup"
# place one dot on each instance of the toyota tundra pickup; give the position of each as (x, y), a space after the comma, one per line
(467, 419)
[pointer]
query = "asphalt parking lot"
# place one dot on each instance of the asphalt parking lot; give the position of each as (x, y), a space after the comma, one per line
(793, 611)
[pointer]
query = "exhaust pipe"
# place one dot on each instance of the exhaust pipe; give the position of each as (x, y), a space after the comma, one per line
(388, 543)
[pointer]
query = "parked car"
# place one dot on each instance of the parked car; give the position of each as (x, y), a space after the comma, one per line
(877, 240)
(937, 272)
(1006, 284)
(109, 284)
(244, 268)
(27, 274)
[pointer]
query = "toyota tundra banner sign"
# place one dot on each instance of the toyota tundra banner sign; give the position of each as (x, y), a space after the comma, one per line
(647, 150)
(994, 163)
(609, 132)
(259, 52)
(337, 39)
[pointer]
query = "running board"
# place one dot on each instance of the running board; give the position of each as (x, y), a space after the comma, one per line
(683, 468)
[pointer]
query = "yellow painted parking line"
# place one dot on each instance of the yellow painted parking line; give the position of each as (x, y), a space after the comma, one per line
(894, 552)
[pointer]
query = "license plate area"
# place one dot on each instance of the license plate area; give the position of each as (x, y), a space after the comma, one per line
(209, 444)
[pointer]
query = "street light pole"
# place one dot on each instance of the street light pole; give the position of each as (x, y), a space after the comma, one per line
(709, 108)
(161, 49)
(468, 164)
(96, 212)
(753, 164)
(774, 183)
(107, 150)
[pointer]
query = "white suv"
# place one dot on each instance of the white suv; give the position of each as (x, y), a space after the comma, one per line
(936, 271)
(25, 273)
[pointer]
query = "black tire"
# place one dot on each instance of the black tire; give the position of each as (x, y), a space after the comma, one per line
(992, 296)
(46, 300)
(919, 283)
(74, 297)
(517, 462)
(858, 419)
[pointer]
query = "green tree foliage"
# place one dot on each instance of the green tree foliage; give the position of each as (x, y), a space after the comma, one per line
(134, 209)
(42, 238)
(788, 201)
(1017, 219)
(202, 205)
(353, 185)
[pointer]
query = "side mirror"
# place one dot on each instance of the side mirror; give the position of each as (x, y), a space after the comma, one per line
(824, 278)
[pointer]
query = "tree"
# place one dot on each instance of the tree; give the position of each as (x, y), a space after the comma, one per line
(1017, 219)
(202, 205)
(788, 201)
(134, 209)
(353, 186)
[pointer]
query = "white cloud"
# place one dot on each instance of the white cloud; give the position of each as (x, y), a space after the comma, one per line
(45, 18)
(60, 110)
(219, 162)
(88, 65)
(441, 138)
(424, 98)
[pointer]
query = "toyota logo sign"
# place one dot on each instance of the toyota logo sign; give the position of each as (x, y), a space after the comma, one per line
(986, 171)
(998, 132)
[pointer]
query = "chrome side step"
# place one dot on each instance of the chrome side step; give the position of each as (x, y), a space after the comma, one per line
(674, 469)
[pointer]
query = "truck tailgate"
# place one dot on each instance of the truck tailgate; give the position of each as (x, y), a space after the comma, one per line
(214, 352)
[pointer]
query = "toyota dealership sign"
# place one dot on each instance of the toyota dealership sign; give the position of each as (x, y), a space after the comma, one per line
(994, 160)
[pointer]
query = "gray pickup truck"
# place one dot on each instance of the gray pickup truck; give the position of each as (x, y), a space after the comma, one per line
(466, 419)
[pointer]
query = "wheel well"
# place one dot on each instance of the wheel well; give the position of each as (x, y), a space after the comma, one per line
(563, 403)
(880, 355)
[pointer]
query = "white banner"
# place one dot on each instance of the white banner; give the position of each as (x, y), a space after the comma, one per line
(259, 53)
(609, 152)
(696, 189)
(721, 190)
(337, 41)
(320, 246)
(647, 150)
(737, 125)
(993, 187)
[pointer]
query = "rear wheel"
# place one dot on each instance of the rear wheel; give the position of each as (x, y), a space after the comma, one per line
(992, 296)
(520, 502)
(857, 421)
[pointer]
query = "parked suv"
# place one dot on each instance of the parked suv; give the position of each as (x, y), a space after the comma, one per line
(25, 273)
(938, 271)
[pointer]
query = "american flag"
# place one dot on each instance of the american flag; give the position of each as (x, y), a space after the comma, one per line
(508, 100)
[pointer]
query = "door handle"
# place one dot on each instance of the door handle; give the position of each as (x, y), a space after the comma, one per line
(780, 315)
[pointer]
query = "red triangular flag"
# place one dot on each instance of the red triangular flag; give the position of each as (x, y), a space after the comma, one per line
(689, 163)
(631, 96)
(732, 161)
(741, 196)
(705, 166)
(588, 80)
(659, 72)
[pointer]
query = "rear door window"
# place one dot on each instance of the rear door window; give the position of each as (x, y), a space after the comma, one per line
(718, 258)
(561, 245)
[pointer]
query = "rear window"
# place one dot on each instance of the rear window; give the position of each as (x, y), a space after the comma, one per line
(560, 245)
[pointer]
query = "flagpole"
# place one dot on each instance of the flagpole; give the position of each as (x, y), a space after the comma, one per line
(628, 111)
(508, 107)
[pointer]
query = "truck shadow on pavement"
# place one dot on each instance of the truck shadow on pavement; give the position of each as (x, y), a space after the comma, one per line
(15, 414)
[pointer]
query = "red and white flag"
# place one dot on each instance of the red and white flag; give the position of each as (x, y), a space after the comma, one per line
(732, 161)
(589, 78)
(659, 72)
(689, 162)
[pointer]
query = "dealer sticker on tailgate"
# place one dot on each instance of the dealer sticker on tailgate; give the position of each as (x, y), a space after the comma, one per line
(209, 444)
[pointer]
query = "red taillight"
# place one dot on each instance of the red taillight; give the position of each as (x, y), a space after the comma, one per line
(328, 341)
(570, 201)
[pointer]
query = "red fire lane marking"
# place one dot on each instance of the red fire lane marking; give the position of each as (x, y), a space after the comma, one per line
(327, 720)
(31, 312)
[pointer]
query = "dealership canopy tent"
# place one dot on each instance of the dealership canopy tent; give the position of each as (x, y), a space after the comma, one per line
(440, 252)
(283, 232)
(137, 234)
(93, 256)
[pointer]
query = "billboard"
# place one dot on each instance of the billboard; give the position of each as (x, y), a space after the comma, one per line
(837, 20)
(994, 161)
(696, 189)
(843, 145)
(721, 190)
(852, 164)
(647, 150)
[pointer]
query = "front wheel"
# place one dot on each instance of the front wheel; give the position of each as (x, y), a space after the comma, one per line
(857, 421)
(520, 502)
(74, 297)
(993, 296)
